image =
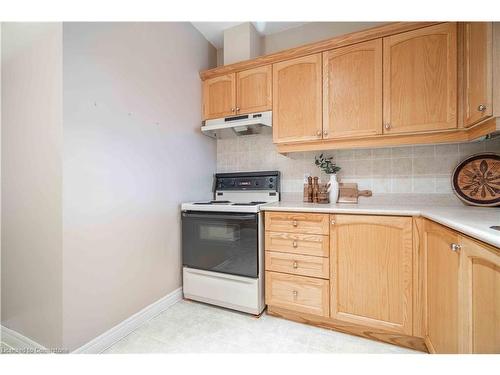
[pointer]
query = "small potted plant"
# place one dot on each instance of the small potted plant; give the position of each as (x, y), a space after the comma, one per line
(330, 168)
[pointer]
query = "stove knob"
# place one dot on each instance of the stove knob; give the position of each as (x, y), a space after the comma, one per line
(256, 183)
(271, 179)
(271, 186)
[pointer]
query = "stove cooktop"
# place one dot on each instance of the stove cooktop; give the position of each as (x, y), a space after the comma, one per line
(253, 203)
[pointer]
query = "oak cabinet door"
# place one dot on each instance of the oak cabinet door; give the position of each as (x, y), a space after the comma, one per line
(441, 278)
(479, 298)
(371, 271)
(352, 96)
(219, 96)
(254, 90)
(478, 74)
(297, 99)
(420, 80)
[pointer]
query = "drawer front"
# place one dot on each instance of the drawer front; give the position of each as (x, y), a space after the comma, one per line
(295, 264)
(297, 222)
(297, 293)
(296, 243)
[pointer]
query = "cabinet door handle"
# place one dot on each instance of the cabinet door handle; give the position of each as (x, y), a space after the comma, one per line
(237, 109)
(318, 133)
(294, 243)
(325, 133)
(387, 126)
(455, 247)
(232, 109)
(332, 222)
(481, 108)
(295, 223)
(295, 294)
(295, 264)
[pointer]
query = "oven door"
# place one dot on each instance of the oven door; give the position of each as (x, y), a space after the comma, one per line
(224, 242)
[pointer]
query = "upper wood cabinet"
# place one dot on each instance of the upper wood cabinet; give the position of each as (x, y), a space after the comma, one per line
(254, 90)
(477, 72)
(238, 93)
(371, 271)
(219, 96)
(420, 80)
(479, 298)
(297, 99)
(441, 278)
(352, 90)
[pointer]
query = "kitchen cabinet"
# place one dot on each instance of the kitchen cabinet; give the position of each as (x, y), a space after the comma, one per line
(463, 292)
(420, 80)
(352, 90)
(477, 72)
(254, 90)
(303, 294)
(441, 264)
(371, 271)
(297, 99)
(479, 298)
(238, 93)
(219, 96)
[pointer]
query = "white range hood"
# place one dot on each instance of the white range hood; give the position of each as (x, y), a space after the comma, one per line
(251, 123)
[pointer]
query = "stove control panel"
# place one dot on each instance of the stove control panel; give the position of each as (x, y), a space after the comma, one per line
(248, 181)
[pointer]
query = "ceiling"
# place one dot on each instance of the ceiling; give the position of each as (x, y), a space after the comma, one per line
(214, 31)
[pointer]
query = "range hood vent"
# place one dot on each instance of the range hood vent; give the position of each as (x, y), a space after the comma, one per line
(237, 125)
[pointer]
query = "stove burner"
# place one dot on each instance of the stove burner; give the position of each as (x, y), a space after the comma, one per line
(212, 202)
(248, 203)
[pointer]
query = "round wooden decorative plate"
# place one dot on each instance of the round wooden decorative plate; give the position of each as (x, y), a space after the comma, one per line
(476, 180)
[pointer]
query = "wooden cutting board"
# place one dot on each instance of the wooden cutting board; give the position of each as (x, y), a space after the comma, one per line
(349, 193)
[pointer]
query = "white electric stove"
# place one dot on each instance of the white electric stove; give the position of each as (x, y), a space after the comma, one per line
(223, 241)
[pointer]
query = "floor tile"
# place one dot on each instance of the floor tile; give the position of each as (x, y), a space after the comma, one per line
(191, 327)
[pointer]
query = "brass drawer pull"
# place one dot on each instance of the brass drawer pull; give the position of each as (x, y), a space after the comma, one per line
(294, 243)
(295, 223)
(295, 264)
(295, 294)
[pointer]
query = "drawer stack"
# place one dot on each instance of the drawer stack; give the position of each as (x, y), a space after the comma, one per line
(297, 261)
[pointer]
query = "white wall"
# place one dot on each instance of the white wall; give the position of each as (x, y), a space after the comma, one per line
(32, 180)
(132, 153)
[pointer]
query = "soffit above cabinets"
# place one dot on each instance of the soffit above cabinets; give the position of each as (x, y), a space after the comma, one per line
(214, 31)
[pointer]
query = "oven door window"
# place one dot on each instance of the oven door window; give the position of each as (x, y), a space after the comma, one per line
(220, 242)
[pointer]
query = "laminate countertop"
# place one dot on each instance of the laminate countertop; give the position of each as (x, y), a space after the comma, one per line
(472, 221)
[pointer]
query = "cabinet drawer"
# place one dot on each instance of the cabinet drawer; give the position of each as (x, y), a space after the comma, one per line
(297, 293)
(306, 244)
(304, 265)
(297, 222)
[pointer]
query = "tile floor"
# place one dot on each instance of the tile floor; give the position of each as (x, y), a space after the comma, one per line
(191, 327)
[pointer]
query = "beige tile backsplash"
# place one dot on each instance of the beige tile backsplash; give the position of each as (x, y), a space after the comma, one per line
(408, 169)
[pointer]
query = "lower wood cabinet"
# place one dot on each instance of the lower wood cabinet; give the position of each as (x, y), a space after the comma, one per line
(463, 293)
(403, 280)
(479, 298)
(371, 271)
(441, 274)
(297, 293)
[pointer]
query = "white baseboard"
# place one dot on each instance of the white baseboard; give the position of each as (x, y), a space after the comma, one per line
(108, 338)
(19, 342)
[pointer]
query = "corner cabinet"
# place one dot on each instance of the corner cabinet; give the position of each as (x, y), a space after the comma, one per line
(441, 265)
(479, 298)
(420, 80)
(238, 93)
(371, 271)
(297, 99)
(352, 90)
(462, 307)
(477, 72)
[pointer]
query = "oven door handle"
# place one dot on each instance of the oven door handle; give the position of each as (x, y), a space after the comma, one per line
(224, 217)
